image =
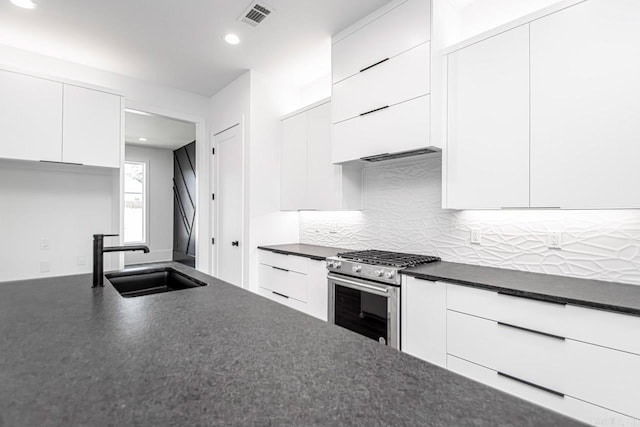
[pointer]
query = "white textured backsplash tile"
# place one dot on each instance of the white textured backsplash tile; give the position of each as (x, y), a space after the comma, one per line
(402, 212)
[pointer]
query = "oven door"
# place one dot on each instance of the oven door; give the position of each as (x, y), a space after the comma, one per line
(365, 307)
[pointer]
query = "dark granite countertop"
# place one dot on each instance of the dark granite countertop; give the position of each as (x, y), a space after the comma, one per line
(216, 355)
(319, 253)
(610, 296)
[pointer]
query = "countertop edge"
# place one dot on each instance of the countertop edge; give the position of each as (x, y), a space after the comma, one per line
(527, 294)
(301, 254)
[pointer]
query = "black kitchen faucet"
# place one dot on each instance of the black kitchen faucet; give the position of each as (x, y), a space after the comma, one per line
(99, 250)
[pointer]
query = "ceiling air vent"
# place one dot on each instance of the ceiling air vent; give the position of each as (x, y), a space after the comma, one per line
(256, 13)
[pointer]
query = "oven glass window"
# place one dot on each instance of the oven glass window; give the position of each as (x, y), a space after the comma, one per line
(361, 312)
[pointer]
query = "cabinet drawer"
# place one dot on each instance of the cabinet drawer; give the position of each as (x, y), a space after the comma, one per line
(289, 302)
(398, 30)
(401, 127)
(569, 406)
(403, 77)
(526, 355)
(598, 375)
(286, 283)
(287, 262)
(614, 330)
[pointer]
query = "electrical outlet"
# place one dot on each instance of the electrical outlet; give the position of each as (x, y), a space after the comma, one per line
(81, 260)
(554, 240)
(45, 267)
(476, 237)
(333, 229)
(44, 245)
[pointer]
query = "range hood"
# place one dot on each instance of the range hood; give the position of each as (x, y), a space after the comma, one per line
(399, 155)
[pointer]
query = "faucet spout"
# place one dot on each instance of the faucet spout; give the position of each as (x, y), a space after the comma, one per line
(98, 259)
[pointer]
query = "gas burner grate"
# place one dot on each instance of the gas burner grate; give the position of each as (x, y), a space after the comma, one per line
(392, 259)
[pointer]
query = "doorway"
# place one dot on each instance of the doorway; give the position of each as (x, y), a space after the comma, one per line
(227, 203)
(159, 203)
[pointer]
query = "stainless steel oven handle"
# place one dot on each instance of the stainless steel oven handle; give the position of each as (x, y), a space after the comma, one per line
(359, 285)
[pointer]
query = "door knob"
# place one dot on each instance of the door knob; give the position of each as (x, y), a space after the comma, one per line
(235, 243)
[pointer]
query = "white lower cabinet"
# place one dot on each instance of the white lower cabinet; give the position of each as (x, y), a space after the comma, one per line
(549, 353)
(297, 282)
(424, 316)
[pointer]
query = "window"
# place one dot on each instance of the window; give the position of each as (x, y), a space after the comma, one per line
(135, 185)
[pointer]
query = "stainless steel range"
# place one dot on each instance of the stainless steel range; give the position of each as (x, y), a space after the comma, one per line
(364, 292)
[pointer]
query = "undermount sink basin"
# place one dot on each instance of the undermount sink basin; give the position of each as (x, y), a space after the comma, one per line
(148, 282)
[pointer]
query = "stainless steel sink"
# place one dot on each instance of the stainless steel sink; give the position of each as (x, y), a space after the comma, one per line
(148, 282)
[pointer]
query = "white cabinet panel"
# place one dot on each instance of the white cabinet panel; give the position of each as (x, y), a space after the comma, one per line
(398, 30)
(318, 290)
(285, 283)
(321, 173)
(30, 117)
(424, 319)
(286, 262)
(488, 123)
(401, 127)
(92, 128)
(567, 405)
(294, 163)
(585, 114)
(403, 77)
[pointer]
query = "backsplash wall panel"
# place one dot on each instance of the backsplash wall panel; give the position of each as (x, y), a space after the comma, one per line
(402, 212)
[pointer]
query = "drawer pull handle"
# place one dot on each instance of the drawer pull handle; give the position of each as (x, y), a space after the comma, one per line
(373, 111)
(280, 295)
(281, 269)
(373, 65)
(508, 325)
(513, 294)
(539, 387)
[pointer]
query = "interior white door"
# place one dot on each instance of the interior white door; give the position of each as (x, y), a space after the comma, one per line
(228, 205)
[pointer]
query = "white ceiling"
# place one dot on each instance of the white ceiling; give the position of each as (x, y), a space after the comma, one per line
(179, 43)
(160, 132)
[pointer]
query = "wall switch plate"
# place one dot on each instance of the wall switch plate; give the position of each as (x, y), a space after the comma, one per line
(45, 267)
(554, 240)
(81, 260)
(44, 245)
(476, 237)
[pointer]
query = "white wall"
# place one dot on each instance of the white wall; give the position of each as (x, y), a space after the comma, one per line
(401, 212)
(139, 94)
(65, 205)
(159, 163)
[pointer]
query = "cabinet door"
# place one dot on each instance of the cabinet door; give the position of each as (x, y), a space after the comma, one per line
(396, 31)
(294, 163)
(424, 320)
(488, 123)
(30, 118)
(323, 177)
(585, 113)
(92, 130)
(318, 290)
(401, 127)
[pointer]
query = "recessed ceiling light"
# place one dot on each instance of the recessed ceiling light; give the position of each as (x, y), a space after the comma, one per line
(142, 139)
(25, 4)
(232, 39)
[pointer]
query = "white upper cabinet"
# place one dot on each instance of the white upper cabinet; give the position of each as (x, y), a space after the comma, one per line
(585, 108)
(92, 131)
(294, 163)
(309, 180)
(488, 123)
(381, 37)
(30, 117)
(382, 82)
(43, 119)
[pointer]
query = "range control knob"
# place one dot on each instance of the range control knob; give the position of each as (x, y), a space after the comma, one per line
(330, 264)
(337, 265)
(378, 273)
(357, 268)
(389, 275)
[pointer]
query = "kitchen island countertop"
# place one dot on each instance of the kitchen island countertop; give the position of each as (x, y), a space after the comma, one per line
(216, 355)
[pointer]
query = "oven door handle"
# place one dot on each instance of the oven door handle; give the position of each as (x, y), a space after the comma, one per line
(360, 286)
